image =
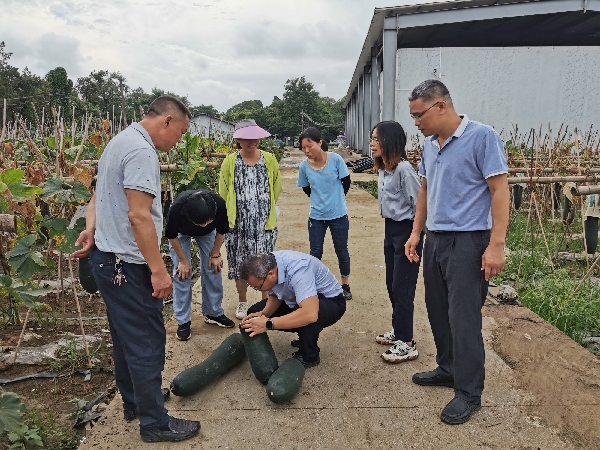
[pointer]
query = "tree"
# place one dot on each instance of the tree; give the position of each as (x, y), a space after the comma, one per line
(205, 109)
(100, 92)
(249, 109)
(61, 92)
(299, 96)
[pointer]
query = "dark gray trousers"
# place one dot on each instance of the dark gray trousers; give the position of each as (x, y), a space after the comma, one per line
(138, 335)
(455, 290)
(330, 311)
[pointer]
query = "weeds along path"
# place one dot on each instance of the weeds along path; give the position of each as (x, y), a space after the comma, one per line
(353, 399)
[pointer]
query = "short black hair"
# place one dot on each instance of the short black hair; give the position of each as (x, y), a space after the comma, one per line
(166, 104)
(257, 265)
(200, 207)
(392, 139)
(430, 90)
(324, 146)
(310, 133)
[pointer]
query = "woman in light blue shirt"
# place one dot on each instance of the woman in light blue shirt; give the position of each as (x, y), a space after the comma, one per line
(397, 188)
(324, 177)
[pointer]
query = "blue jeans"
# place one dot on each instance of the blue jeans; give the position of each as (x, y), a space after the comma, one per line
(138, 335)
(212, 283)
(339, 234)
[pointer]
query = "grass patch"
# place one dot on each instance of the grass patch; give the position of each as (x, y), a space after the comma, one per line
(549, 292)
(369, 186)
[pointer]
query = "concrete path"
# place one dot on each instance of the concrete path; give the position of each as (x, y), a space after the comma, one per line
(353, 399)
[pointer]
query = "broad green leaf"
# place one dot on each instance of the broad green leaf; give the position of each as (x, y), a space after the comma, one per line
(66, 241)
(6, 281)
(23, 259)
(80, 192)
(13, 176)
(3, 186)
(21, 192)
(25, 266)
(29, 294)
(51, 141)
(55, 223)
(52, 186)
(11, 412)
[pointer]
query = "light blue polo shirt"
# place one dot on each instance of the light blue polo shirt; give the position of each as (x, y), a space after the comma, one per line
(300, 276)
(458, 197)
(327, 199)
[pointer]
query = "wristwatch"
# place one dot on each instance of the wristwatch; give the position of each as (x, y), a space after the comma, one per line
(270, 324)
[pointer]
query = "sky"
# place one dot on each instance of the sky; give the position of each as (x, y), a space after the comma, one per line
(218, 52)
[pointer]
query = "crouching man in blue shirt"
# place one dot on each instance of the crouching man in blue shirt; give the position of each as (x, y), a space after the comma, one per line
(304, 297)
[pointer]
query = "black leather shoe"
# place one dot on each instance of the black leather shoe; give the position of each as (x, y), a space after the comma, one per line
(295, 343)
(432, 378)
(175, 430)
(131, 414)
(460, 410)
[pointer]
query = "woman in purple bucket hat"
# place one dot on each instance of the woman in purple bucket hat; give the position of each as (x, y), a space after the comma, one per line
(250, 184)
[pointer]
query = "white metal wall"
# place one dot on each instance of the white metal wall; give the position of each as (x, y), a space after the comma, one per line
(503, 87)
(204, 125)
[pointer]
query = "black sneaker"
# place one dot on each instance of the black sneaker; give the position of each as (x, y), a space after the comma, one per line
(306, 364)
(184, 332)
(222, 321)
(175, 430)
(346, 292)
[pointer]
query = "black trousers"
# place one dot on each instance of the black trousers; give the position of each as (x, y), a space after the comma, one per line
(138, 335)
(400, 276)
(330, 311)
(455, 291)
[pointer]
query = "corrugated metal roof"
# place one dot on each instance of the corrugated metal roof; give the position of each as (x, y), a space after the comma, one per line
(376, 28)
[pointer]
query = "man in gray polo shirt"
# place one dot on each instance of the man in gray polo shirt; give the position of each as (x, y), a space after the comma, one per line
(123, 231)
(464, 202)
(304, 297)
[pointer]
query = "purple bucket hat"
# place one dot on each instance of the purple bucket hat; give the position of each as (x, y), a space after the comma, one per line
(247, 129)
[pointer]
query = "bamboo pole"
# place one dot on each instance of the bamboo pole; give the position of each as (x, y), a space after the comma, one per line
(87, 352)
(588, 273)
(539, 216)
(31, 143)
(3, 128)
(572, 170)
(21, 336)
(548, 180)
(83, 137)
(586, 190)
(523, 248)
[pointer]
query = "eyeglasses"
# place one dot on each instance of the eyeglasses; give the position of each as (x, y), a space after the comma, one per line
(374, 141)
(260, 287)
(418, 116)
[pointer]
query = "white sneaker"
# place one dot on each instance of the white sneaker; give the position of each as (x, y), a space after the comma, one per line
(400, 352)
(386, 338)
(241, 310)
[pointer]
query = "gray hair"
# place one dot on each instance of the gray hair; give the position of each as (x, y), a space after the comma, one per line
(430, 90)
(257, 265)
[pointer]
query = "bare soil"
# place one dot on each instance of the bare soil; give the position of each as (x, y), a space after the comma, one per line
(52, 401)
(563, 377)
